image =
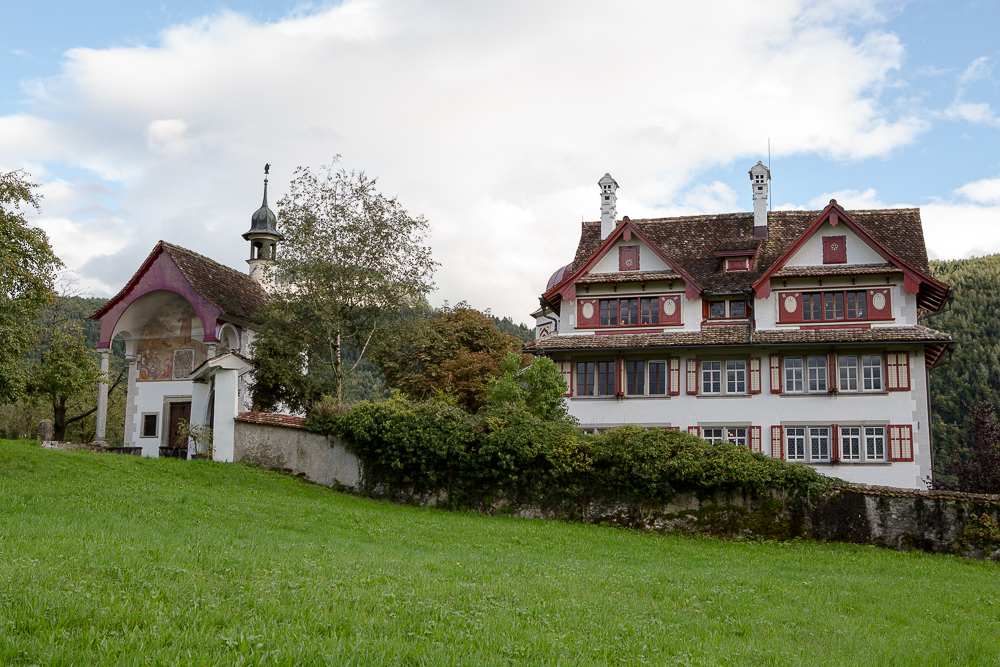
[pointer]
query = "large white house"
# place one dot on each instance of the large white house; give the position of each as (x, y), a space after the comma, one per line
(793, 333)
(188, 323)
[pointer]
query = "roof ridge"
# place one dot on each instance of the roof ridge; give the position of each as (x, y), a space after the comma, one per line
(174, 246)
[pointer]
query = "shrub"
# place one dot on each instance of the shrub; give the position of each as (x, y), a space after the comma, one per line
(425, 448)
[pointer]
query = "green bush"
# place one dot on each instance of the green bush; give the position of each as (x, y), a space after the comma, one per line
(426, 448)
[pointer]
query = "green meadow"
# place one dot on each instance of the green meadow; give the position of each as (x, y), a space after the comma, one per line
(123, 561)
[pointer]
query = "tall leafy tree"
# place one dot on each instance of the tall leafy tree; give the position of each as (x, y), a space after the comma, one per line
(453, 351)
(27, 274)
(352, 264)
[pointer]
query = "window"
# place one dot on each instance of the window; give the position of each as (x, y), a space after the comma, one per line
(862, 443)
(848, 372)
(735, 377)
(585, 378)
(819, 444)
(807, 443)
(793, 374)
(626, 312)
(650, 310)
(657, 378)
(830, 306)
(636, 377)
(733, 309)
(605, 378)
(795, 444)
(817, 374)
(734, 434)
(871, 367)
(874, 443)
(711, 377)
(850, 443)
(149, 423)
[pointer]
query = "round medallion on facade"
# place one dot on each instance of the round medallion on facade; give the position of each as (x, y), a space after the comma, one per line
(878, 301)
(669, 307)
(588, 310)
(790, 304)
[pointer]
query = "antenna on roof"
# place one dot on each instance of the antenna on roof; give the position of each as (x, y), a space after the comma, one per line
(770, 195)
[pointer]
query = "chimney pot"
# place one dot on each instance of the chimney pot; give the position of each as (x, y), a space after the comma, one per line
(760, 176)
(609, 205)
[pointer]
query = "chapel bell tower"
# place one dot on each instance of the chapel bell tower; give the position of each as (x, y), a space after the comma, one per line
(263, 237)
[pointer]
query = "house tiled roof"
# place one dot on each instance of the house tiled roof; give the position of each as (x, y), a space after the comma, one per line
(628, 277)
(235, 293)
(736, 335)
(692, 241)
(913, 334)
(271, 419)
(835, 270)
(716, 335)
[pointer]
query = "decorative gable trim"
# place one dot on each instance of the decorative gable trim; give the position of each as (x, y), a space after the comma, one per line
(625, 231)
(931, 293)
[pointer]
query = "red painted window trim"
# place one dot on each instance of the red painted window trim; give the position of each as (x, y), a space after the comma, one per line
(900, 438)
(897, 371)
(755, 444)
(626, 252)
(775, 373)
(695, 431)
(691, 382)
(838, 256)
(674, 376)
(754, 386)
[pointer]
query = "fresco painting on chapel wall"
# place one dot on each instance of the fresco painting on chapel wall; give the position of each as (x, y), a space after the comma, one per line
(171, 347)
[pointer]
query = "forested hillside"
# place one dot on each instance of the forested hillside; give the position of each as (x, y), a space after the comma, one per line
(973, 374)
(520, 331)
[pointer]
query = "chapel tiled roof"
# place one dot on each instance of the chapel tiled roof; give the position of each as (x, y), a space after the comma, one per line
(737, 335)
(835, 270)
(628, 277)
(271, 419)
(692, 241)
(235, 293)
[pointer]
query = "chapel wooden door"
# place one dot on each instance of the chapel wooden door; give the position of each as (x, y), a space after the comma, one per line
(178, 412)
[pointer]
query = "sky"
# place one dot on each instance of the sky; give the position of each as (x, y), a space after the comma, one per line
(494, 120)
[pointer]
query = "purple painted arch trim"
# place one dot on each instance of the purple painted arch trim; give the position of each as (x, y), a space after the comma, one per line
(162, 273)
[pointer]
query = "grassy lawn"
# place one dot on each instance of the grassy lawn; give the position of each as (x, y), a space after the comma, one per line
(117, 560)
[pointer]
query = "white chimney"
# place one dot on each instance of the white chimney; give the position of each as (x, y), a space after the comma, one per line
(759, 177)
(609, 209)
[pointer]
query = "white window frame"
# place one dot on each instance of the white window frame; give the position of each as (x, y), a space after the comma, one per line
(817, 377)
(800, 372)
(816, 436)
(844, 372)
(875, 370)
(804, 443)
(728, 368)
(861, 434)
(796, 444)
(737, 435)
(794, 375)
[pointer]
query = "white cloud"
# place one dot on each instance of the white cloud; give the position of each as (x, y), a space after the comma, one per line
(853, 200)
(493, 120)
(985, 191)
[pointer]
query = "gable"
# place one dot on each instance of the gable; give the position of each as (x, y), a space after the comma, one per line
(648, 260)
(837, 240)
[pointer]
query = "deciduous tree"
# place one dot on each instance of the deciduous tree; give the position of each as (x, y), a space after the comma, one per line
(353, 262)
(27, 275)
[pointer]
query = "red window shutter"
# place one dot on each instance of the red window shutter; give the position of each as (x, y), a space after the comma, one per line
(692, 376)
(777, 442)
(628, 258)
(789, 307)
(897, 371)
(880, 297)
(670, 309)
(901, 443)
(566, 368)
(674, 375)
(834, 249)
(755, 438)
(694, 430)
(832, 375)
(585, 307)
(754, 375)
(619, 383)
(705, 309)
(834, 443)
(775, 373)
(673, 428)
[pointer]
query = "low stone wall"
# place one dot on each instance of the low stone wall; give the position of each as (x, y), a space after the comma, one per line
(932, 521)
(280, 442)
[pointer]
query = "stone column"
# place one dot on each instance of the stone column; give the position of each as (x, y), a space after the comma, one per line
(130, 401)
(102, 399)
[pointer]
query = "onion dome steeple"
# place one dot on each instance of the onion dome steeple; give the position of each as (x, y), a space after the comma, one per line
(263, 236)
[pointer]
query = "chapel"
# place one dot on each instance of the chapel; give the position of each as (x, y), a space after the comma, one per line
(187, 323)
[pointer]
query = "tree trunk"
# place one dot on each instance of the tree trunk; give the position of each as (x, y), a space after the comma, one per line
(59, 417)
(340, 378)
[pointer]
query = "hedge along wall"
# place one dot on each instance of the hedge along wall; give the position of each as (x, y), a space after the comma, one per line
(511, 463)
